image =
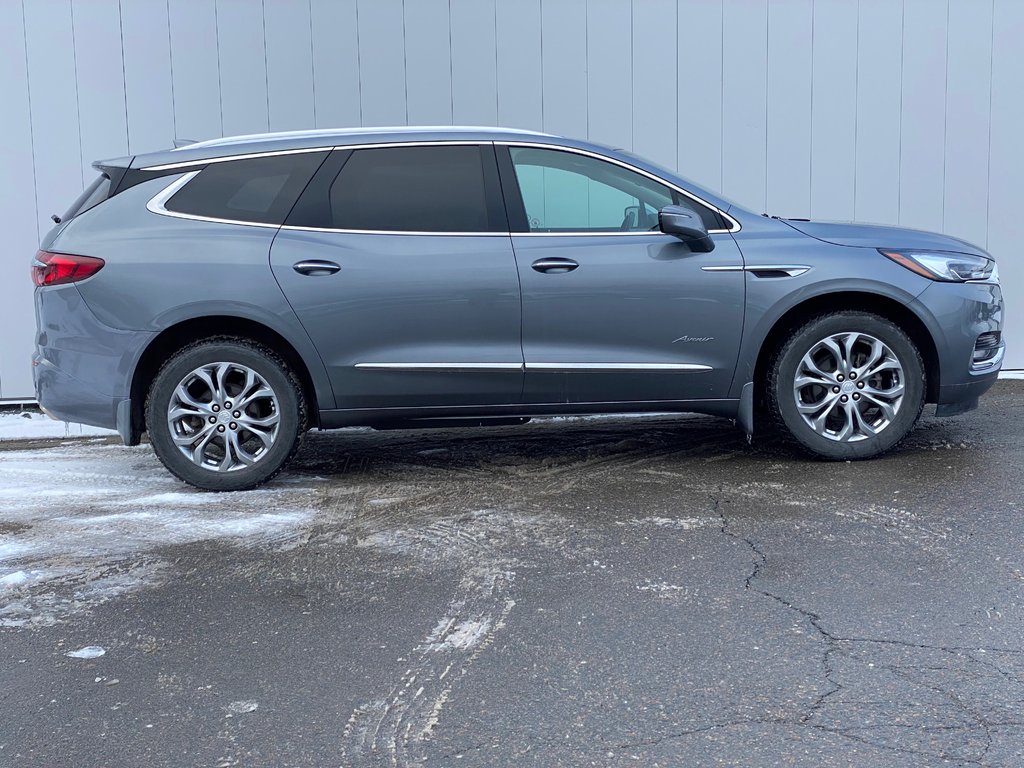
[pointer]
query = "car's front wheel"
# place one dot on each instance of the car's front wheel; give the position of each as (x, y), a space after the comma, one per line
(225, 414)
(846, 385)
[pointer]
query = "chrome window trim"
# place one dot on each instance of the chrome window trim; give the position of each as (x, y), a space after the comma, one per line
(156, 204)
(734, 225)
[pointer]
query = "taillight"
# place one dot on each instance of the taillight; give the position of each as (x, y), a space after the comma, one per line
(60, 268)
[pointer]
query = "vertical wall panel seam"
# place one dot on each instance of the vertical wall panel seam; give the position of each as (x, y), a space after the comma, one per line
(721, 100)
(497, 90)
(988, 165)
(945, 121)
(170, 61)
(856, 107)
(359, 65)
(540, 8)
(810, 131)
(78, 100)
(31, 127)
(220, 77)
(124, 79)
(586, 81)
(899, 142)
(266, 61)
(767, 103)
(451, 64)
(405, 64)
(312, 64)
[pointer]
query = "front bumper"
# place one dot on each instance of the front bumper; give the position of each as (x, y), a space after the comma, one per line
(957, 314)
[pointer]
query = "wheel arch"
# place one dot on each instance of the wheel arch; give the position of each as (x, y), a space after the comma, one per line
(855, 301)
(185, 332)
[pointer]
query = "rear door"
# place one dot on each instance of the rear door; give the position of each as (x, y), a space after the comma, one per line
(614, 310)
(398, 262)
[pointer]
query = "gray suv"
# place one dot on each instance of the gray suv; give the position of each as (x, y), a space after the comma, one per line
(227, 296)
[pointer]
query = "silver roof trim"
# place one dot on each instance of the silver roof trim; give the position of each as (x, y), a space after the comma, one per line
(328, 133)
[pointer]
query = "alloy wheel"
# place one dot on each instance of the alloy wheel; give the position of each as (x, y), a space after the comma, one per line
(849, 386)
(224, 416)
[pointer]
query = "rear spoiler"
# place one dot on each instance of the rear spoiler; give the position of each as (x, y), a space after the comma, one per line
(114, 169)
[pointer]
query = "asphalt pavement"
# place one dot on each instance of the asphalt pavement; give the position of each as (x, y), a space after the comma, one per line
(614, 592)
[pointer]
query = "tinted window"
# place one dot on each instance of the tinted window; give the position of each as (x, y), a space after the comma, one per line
(569, 192)
(259, 189)
(412, 189)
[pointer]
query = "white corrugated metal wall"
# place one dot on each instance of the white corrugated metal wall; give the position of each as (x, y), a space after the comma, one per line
(891, 111)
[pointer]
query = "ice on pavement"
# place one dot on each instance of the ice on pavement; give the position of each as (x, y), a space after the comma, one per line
(83, 522)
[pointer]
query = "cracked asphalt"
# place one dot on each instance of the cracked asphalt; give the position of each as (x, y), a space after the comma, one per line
(629, 591)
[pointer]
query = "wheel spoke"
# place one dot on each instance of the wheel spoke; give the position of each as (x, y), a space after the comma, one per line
(189, 439)
(808, 366)
(832, 345)
(896, 390)
(198, 452)
(263, 421)
(862, 425)
(262, 392)
(828, 401)
(819, 421)
(888, 409)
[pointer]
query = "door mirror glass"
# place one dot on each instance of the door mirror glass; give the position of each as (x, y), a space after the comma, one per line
(684, 223)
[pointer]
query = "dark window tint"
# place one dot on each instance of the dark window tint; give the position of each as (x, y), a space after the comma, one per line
(259, 189)
(93, 195)
(412, 189)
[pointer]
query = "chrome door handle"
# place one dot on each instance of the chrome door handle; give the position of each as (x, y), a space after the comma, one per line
(554, 265)
(316, 267)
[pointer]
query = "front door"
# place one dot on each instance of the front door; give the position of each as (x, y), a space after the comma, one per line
(613, 310)
(401, 269)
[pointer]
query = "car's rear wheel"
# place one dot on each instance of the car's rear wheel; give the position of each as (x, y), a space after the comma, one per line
(846, 385)
(225, 414)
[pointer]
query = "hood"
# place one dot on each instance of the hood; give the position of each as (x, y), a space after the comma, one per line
(878, 236)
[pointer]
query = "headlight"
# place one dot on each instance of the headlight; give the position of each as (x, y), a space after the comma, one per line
(942, 265)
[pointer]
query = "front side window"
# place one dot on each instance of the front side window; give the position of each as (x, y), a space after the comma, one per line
(412, 189)
(569, 192)
(256, 190)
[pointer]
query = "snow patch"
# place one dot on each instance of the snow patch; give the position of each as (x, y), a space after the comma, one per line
(88, 652)
(29, 425)
(89, 519)
(457, 635)
(678, 523)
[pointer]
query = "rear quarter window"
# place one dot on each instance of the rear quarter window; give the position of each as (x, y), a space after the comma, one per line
(258, 190)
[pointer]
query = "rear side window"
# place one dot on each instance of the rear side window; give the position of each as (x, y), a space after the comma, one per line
(260, 190)
(93, 195)
(413, 189)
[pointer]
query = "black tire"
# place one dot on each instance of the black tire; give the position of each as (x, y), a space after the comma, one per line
(781, 397)
(289, 406)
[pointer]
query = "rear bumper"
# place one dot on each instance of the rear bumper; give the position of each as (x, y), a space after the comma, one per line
(82, 369)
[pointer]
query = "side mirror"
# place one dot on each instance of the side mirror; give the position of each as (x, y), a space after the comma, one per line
(684, 223)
